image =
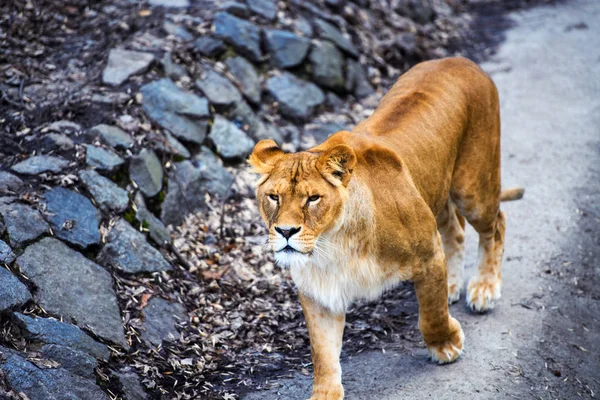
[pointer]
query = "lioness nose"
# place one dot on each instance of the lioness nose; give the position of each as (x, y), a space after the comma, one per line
(287, 233)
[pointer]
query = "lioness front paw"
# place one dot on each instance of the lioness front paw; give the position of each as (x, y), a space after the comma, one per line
(483, 292)
(327, 392)
(450, 349)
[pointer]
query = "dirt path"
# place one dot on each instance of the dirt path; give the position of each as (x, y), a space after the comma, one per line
(541, 341)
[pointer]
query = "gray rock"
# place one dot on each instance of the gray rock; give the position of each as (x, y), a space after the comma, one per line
(112, 136)
(111, 98)
(334, 101)
(243, 116)
(357, 81)
(160, 317)
(63, 126)
(73, 287)
(124, 63)
(188, 184)
(146, 170)
(219, 90)
(170, 3)
(74, 361)
(130, 382)
(286, 48)
(58, 141)
(168, 144)
(23, 223)
(38, 164)
(102, 159)
(158, 231)
(176, 30)
(235, 8)
(243, 35)
(264, 8)
(327, 65)
(176, 110)
(107, 194)
(209, 46)
(51, 331)
(73, 217)
(407, 42)
(330, 32)
(6, 254)
(47, 383)
(172, 70)
(128, 250)
(420, 11)
(14, 292)
(297, 98)
(9, 182)
(231, 142)
(302, 25)
(245, 77)
(316, 133)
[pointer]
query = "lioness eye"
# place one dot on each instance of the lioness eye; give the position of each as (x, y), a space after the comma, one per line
(274, 197)
(313, 198)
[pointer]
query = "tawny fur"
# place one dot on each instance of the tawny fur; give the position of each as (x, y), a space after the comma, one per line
(387, 202)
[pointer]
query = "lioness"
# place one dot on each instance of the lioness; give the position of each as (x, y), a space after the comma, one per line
(386, 203)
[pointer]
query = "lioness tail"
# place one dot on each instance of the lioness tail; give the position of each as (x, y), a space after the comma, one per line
(515, 193)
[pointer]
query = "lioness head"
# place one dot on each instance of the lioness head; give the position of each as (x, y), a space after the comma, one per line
(301, 196)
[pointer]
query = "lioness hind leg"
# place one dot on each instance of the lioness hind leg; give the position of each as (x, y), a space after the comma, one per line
(451, 226)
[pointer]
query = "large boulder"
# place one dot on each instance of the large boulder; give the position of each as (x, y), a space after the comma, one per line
(73, 287)
(106, 194)
(209, 46)
(73, 217)
(38, 164)
(297, 98)
(14, 293)
(330, 32)
(9, 183)
(230, 141)
(266, 9)
(112, 136)
(245, 77)
(286, 49)
(241, 34)
(219, 90)
(6, 254)
(327, 64)
(243, 116)
(357, 81)
(128, 250)
(145, 169)
(160, 319)
(180, 112)
(102, 159)
(23, 223)
(124, 63)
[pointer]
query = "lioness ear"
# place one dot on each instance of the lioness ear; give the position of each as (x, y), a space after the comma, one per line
(265, 156)
(336, 164)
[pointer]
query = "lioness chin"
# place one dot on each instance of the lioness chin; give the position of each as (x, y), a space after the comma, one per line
(386, 203)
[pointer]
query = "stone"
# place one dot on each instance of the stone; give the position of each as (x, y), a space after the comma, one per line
(176, 30)
(23, 223)
(6, 254)
(73, 217)
(172, 70)
(301, 25)
(9, 182)
(14, 292)
(74, 361)
(418, 10)
(130, 382)
(407, 42)
(157, 230)
(160, 317)
(63, 126)
(146, 170)
(334, 101)
(235, 8)
(286, 49)
(321, 131)
(168, 144)
(246, 77)
(170, 3)
(189, 181)
(58, 141)
(38, 164)
(219, 90)
(111, 98)
(52, 331)
(73, 287)
(230, 141)
(46, 383)
(107, 195)
(327, 65)
(209, 46)
(124, 63)
(128, 250)
(330, 32)
(297, 98)
(263, 8)
(243, 116)
(243, 35)
(112, 136)
(357, 81)
(176, 110)
(102, 159)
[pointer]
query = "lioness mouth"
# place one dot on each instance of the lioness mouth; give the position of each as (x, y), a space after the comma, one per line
(289, 249)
